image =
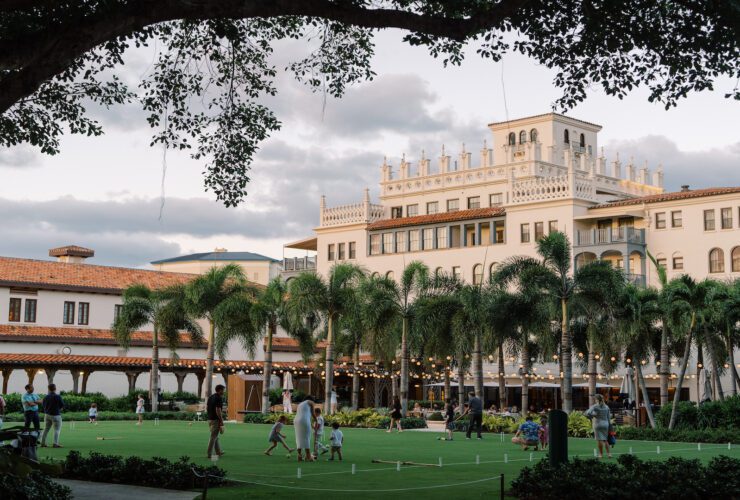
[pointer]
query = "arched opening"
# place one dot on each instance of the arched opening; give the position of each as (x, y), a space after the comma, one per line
(566, 137)
(522, 137)
(478, 274)
(716, 260)
(512, 138)
(614, 257)
(492, 268)
(438, 272)
(389, 275)
(375, 275)
(583, 141)
(584, 258)
(533, 135)
(736, 260)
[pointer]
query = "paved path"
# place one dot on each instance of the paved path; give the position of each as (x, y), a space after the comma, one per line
(88, 490)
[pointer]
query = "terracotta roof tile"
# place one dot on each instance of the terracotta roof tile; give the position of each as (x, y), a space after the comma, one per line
(287, 344)
(72, 335)
(418, 220)
(676, 195)
(83, 277)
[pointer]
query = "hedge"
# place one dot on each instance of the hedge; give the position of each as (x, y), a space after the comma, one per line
(36, 485)
(709, 415)
(367, 418)
(680, 435)
(81, 402)
(112, 415)
(630, 477)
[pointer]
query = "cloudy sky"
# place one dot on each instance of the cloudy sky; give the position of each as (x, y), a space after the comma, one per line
(104, 193)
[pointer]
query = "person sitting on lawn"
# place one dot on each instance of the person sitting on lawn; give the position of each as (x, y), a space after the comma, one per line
(276, 437)
(527, 435)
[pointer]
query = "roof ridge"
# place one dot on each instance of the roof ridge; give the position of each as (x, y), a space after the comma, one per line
(84, 265)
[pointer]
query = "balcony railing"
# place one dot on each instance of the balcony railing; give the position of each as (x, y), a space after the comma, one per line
(299, 263)
(607, 236)
(636, 279)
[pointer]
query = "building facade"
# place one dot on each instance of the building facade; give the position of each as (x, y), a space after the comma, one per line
(257, 268)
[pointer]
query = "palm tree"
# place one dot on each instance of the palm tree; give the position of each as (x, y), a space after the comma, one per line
(731, 314)
(665, 358)
(164, 310)
(223, 297)
(468, 323)
(330, 298)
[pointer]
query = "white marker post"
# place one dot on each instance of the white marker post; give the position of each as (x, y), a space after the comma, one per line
(729, 445)
(698, 446)
(530, 456)
(595, 453)
(354, 469)
(398, 466)
(298, 473)
(477, 460)
(630, 450)
(502, 437)
(657, 450)
(506, 458)
(156, 421)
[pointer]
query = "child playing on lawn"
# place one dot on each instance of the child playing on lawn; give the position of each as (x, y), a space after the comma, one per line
(337, 439)
(92, 414)
(277, 437)
(318, 434)
(544, 433)
(449, 422)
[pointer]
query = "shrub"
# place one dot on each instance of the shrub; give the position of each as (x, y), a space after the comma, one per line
(36, 485)
(271, 418)
(406, 423)
(496, 423)
(680, 435)
(687, 415)
(184, 396)
(254, 418)
(435, 416)
(155, 472)
(579, 425)
(709, 415)
(111, 415)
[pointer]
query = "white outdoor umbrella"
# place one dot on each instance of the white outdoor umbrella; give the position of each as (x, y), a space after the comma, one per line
(288, 381)
(628, 385)
(707, 385)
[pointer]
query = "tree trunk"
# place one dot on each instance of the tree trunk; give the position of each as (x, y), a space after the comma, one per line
(329, 365)
(478, 367)
(525, 376)
(461, 382)
(404, 389)
(733, 370)
(447, 387)
(209, 357)
(665, 363)
(567, 359)
(394, 386)
(591, 374)
(681, 374)
(267, 367)
(699, 368)
(637, 395)
(717, 377)
(356, 377)
(502, 399)
(154, 380)
(648, 405)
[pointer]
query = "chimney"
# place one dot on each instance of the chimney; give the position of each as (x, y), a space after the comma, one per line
(71, 254)
(685, 188)
(220, 250)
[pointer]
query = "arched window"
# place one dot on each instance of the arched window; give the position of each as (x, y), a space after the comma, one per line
(736, 260)
(375, 275)
(512, 138)
(438, 272)
(566, 137)
(522, 137)
(492, 269)
(533, 135)
(389, 275)
(583, 141)
(716, 260)
(478, 274)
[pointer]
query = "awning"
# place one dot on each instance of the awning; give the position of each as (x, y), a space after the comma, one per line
(304, 244)
(599, 385)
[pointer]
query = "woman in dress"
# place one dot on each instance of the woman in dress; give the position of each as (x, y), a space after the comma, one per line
(600, 416)
(140, 409)
(303, 424)
(395, 414)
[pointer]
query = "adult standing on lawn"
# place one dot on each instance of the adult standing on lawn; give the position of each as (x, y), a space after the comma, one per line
(140, 409)
(475, 408)
(31, 408)
(396, 414)
(214, 409)
(600, 415)
(304, 414)
(53, 406)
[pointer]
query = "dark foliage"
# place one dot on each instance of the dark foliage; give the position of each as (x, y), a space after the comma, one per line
(36, 486)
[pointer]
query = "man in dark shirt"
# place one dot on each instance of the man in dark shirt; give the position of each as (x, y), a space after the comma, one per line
(53, 406)
(475, 409)
(214, 409)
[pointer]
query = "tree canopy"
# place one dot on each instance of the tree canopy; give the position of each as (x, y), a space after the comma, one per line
(212, 59)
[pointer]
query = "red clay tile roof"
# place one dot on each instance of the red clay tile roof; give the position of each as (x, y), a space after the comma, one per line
(287, 344)
(71, 250)
(474, 213)
(72, 335)
(81, 277)
(676, 195)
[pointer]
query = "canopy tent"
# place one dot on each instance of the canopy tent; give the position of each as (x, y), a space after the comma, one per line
(599, 385)
(288, 381)
(628, 385)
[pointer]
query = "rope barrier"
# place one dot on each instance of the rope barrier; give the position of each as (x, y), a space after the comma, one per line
(374, 490)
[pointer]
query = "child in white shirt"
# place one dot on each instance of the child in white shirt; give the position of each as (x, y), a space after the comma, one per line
(318, 435)
(337, 439)
(92, 414)
(276, 437)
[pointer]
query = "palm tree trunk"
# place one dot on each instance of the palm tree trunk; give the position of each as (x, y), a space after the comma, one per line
(394, 386)
(715, 371)
(567, 359)
(461, 382)
(209, 357)
(665, 362)
(478, 367)
(267, 368)
(525, 377)
(591, 374)
(699, 367)
(734, 379)
(648, 405)
(154, 380)
(404, 389)
(356, 377)
(447, 387)
(682, 373)
(329, 365)
(502, 399)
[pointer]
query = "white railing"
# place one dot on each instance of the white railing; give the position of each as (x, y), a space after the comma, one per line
(605, 236)
(540, 189)
(351, 214)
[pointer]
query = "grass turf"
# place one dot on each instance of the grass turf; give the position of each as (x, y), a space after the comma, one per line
(260, 476)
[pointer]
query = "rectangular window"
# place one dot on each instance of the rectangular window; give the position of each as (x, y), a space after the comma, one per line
(442, 237)
(428, 239)
(387, 242)
(726, 218)
(83, 314)
(525, 233)
(352, 250)
(432, 207)
(396, 212)
(660, 220)
(539, 231)
(496, 199)
(340, 251)
(14, 314)
(708, 220)
(117, 310)
(453, 205)
(473, 202)
(30, 316)
(552, 227)
(401, 241)
(456, 272)
(330, 252)
(499, 227)
(374, 244)
(662, 262)
(676, 218)
(69, 313)
(412, 210)
(414, 240)
(678, 263)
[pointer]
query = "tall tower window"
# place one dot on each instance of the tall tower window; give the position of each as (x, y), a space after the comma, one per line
(566, 137)
(583, 141)
(533, 135)
(512, 138)
(522, 137)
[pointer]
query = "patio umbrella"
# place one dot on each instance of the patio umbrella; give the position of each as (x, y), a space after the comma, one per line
(288, 381)
(627, 389)
(707, 385)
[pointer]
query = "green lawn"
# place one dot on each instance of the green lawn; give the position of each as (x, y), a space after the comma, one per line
(276, 475)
